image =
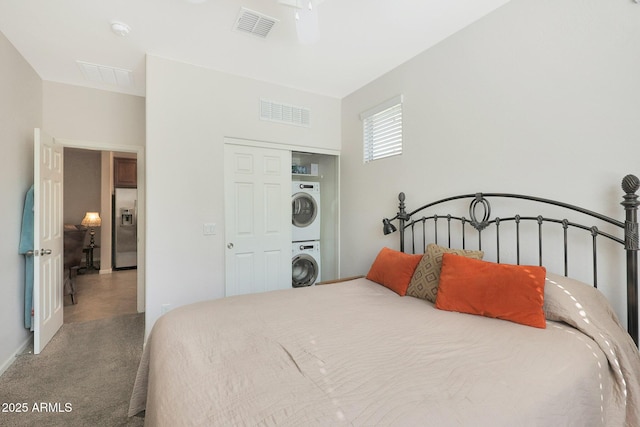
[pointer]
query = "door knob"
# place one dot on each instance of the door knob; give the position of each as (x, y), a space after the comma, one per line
(230, 246)
(45, 252)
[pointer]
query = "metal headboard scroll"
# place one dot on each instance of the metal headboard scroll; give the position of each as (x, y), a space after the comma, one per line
(479, 200)
(480, 219)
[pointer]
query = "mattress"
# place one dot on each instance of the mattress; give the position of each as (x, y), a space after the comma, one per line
(356, 353)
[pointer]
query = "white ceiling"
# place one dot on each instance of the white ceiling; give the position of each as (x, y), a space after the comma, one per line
(359, 39)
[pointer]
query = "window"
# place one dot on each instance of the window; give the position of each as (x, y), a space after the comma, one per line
(382, 130)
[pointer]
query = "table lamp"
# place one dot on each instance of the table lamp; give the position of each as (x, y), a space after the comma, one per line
(92, 220)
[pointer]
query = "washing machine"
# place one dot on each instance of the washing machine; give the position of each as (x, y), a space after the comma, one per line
(305, 211)
(305, 264)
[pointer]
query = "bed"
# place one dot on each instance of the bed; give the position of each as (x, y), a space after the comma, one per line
(377, 350)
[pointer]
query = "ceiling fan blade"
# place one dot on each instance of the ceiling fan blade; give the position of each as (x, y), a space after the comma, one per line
(307, 24)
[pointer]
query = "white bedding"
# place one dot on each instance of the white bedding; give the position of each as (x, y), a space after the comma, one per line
(356, 353)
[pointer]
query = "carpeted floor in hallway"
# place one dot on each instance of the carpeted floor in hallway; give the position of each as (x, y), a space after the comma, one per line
(85, 375)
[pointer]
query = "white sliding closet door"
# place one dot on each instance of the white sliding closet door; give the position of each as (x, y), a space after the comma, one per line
(257, 219)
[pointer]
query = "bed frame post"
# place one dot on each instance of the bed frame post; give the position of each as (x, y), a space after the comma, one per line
(630, 185)
(402, 217)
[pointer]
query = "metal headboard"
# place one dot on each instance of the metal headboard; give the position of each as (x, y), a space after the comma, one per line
(630, 239)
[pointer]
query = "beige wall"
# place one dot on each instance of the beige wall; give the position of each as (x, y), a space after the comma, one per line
(20, 113)
(82, 186)
(84, 114)
(190, 110)
(539, 97)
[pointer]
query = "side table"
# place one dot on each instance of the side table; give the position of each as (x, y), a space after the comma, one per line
(89, 257)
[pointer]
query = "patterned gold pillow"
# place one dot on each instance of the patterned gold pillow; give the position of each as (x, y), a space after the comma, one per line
(424, 283)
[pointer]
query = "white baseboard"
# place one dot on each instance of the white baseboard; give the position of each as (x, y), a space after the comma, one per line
(105, 271)
(5, 365)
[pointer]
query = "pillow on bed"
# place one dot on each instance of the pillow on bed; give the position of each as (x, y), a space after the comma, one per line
(393, 269)
(424, 283)
(502, 291)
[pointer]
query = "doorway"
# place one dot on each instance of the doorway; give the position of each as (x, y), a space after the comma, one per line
(88, 185)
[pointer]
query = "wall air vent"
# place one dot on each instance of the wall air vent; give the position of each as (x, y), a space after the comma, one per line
(255, 23)
(284, 113)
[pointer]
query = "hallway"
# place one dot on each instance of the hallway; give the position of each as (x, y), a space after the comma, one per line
(90, 365)
(101, 296)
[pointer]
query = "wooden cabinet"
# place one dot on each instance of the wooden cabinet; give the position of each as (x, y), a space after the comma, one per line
(125, 172)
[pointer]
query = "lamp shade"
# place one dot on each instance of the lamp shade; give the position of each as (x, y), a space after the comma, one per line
(91, 219)
(387, 227)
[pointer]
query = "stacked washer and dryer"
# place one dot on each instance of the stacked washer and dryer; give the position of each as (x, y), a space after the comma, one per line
(305, 217)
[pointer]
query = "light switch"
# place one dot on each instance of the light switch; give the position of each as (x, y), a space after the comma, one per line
(209, 228)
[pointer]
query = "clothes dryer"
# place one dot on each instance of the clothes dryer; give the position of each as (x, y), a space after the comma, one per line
(305, 211)
(305, 264)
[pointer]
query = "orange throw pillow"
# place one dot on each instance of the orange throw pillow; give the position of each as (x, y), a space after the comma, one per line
(502, 291)
(394, 269)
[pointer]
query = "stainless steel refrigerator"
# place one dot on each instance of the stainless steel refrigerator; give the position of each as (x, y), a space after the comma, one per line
(125, 239)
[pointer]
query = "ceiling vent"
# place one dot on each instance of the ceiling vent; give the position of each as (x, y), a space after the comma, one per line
(284, 113)
(255, 23)
(105, 74)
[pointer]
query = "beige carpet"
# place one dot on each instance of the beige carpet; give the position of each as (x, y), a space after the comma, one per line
(84, 376)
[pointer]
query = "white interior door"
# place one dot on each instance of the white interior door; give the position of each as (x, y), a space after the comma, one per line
(48, 306)
(257, 219)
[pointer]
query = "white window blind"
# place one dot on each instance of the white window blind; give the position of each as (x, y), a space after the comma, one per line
(382, 130)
